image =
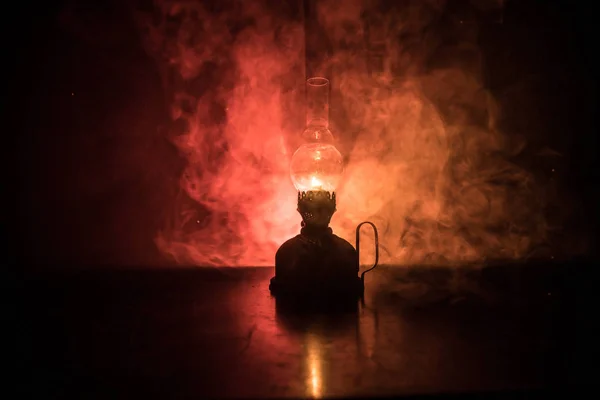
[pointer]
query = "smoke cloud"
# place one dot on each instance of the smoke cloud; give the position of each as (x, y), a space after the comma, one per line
(426, 160)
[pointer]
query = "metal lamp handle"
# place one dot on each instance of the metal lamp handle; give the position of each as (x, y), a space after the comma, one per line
(362, 276)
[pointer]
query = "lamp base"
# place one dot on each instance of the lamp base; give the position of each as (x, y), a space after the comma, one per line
(319, 265)
(341, 290)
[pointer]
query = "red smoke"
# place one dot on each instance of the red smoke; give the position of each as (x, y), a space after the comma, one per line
(424, 157)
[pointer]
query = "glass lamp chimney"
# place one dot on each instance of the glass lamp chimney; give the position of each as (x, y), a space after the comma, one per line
(317, 165)
(317, 102)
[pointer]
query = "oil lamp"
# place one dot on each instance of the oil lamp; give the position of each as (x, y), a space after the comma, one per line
(317, 262)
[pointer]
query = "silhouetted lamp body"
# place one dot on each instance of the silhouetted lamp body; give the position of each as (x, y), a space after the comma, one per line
(317, 262)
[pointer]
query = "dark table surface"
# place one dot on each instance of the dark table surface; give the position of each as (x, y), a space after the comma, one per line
(219, 333)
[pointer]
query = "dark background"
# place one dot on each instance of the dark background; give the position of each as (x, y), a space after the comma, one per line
(83, 191)
(87, 189)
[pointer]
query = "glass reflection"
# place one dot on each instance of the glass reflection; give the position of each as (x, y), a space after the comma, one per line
(314, 363)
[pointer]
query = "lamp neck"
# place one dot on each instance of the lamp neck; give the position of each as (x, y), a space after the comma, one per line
(317, 102)
(316, 208)
(315, 231)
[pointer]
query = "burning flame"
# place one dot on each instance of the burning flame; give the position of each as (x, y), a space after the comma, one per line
(315, 183)
(425, 159)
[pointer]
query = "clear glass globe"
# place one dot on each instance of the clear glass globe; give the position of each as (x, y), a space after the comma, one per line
(316, 166)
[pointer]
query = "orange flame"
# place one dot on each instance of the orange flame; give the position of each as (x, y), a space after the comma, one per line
(316, 183)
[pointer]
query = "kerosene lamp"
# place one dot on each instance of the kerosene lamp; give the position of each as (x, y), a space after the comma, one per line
(316, 262)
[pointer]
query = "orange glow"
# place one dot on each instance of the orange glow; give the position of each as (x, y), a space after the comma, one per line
(423, 155)
(316, 166)
(315, 183)
(314, 363)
